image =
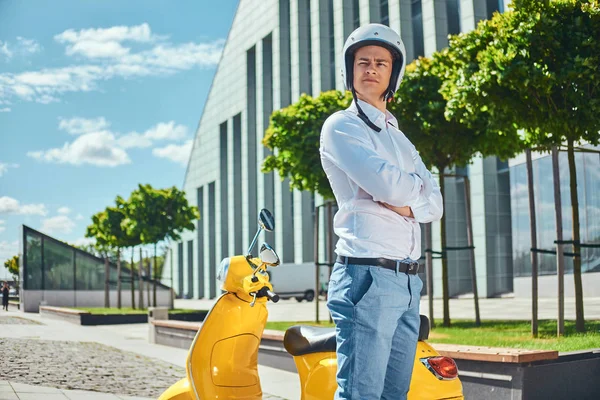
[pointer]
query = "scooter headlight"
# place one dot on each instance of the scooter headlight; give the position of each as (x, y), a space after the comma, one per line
(223, 270)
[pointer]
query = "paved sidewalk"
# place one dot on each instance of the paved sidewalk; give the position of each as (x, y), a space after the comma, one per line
(21, 391)
(276, 384)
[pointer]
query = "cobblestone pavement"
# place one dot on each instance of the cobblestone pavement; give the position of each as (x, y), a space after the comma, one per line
(17, 321)
(85, 366)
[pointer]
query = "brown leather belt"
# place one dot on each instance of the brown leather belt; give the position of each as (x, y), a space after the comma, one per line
(407, 267)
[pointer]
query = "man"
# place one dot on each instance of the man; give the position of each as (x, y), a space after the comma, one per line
(5, 293)
(383, 191)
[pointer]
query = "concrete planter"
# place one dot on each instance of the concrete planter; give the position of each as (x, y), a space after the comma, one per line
(571, 375)
(86, 318)
(190, 317)
(485, 372)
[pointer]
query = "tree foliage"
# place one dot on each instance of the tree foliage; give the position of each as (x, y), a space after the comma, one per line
(12, 265)
(443, 142)
(293, 134)
(155, 215)
(536, 69)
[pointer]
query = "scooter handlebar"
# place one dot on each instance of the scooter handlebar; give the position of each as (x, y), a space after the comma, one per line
(274, 297)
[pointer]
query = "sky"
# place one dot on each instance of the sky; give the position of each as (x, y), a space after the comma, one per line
(96, 97)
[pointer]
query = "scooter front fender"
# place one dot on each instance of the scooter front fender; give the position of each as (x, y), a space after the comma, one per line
(179, 391)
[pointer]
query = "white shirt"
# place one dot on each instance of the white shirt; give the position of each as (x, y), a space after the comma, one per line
(365, 167)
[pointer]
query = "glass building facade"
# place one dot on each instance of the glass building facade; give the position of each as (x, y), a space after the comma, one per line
(49, 264)
(588, 191)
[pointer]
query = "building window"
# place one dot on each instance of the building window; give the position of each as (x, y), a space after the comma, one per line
(332, 69)
(180, 268)
(190, 261)
(493, 6)
(385, 12)
(453, 12)
(356, 13)
(309, 36)
(417, 25)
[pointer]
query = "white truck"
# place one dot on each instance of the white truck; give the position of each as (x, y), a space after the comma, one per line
(298, 281)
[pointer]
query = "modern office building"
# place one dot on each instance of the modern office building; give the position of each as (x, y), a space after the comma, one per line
(279, 49)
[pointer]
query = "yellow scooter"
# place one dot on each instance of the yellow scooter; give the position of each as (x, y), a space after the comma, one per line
(222, 360)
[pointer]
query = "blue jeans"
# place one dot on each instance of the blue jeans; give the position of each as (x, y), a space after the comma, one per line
(376, 313)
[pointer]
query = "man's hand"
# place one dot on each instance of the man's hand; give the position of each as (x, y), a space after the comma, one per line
(404, 211)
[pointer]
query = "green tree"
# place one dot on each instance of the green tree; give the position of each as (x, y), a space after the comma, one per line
(12, 265)
(108, 229)
(159, 214)
(537, 70)
(128, 238)
(293, 134)
(443, 143)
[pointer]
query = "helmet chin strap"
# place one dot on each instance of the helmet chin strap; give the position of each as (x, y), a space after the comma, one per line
(362, 115)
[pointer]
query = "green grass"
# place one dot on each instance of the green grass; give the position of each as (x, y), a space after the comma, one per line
(128, 310)
(513, 334)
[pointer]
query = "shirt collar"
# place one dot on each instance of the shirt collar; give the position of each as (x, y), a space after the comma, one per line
(374, 114)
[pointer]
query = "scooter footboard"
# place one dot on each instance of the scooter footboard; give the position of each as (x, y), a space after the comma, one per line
(317, 373)
(179, 391)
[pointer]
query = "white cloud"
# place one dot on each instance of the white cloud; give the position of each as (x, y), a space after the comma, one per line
(2, 227)
(64, 210)
(168, 131)
(84, 241)
(27, 46)
(8, 205)
(23, 46)
(58, 224)
(8, 250)
(76, 126)
(4, 167)
(5, 51)
(178, 153)
(108, 58)
(104, 42)
(161, 131)
(134, 139)
(79, 217)
(97, 148)
(5, 109)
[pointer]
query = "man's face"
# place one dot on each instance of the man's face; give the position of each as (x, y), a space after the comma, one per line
(372, 71)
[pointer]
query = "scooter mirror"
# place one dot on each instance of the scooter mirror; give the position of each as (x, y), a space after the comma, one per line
(268, 255)
(266, 220)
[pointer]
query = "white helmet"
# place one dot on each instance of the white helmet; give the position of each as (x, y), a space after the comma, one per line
(375, 35)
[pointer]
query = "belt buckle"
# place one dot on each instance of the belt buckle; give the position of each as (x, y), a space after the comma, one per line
(411, 266)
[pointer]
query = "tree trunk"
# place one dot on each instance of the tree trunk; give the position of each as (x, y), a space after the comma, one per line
(579, 319)
(132, 280)
(560, 259)
(118, 278)
(148, 279)
(106, 283)
(154, 270)
(429, 272)
(445, 289)
(141, 281)
(534, 256)
(472, 250)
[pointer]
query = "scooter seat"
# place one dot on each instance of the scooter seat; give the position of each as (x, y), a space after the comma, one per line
(303, 339)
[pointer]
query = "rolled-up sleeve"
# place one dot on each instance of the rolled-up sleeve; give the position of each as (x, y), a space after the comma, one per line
(346, 144)
(429, 207)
